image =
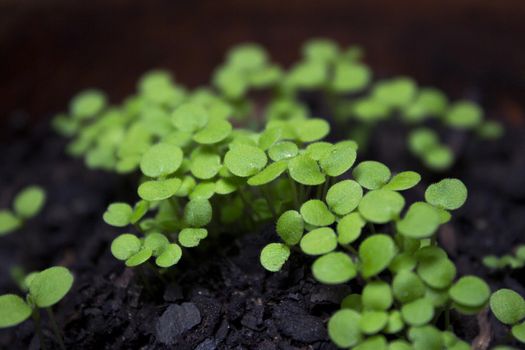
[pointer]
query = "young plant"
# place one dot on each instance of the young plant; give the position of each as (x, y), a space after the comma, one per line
(45, 289)
(516, 261)
(27, 204)
(509, 308)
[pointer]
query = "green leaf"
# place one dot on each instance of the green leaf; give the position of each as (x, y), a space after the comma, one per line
(377, 342)
(245, 160)
(139, 258)
(403, 181)
(198, 212)
(334, 268)
(214, 132)
(372, 322)
(319, 241)
(205, 164)
(191, 237)
(343, 328)
(344, 196)
(13, 310)
(447, 194)
(434, 101)
(226, 186)
(310, 130)
(274, 255)
(421, 140)
(381, 206)
(190, 117)
(376, 252)
(160, 160)
(320, 50)
(395, 323)
(158, 190)
(352, 301)
(87, 104)
(338, 159)
(350, 77)
(170, 256)
(438, 158)
(29, 201)
(518, 332)
(349, 228)
(371, 174)
(396, 92)
(305, 170)
(141, 208)
(49, 286)
(283, 150)
(377, 295)
(157, 242)
(8, 222)
(399, 345)
(436, 270)
(290, 227)
(315, 212)
(508, 306)
(269, 137)
(268, 174)
(247, 56)
(204, 190)
(421, 221)
(470, 291)
(125, 246)
(418, 312)
(407, 287)
(425, 338)
(464, 115)
(118, 214)
(317, 150)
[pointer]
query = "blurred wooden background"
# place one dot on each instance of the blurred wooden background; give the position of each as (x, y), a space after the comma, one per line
(49, 49)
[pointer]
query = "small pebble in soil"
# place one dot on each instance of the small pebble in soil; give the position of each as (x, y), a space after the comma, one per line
(176, 320)
(304, 328)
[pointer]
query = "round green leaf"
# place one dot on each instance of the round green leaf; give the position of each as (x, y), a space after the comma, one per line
(139, 258)
(349, 228)
(204, 190)
(274, 255)
(343, 328)
(319, 241)
(437, 272)
(268, 174)
(334, 268)
(464, 115)
(518, 332)
(470, 291)
(225, 186)
(447, 194)
(372, 322)
(170, 256)
(305, 170)
(377, 342)
(190, 117)
(421, 140)
(290, 227)
(508, 306)
(352, 301)
(29, 201)
(49, 286)
(407, 286)
(13, 310)
(283, 150)
(418, 312)
(310, 130)
(344, 196)
(371, 174)
(375, 253)
(118, 214)
(245, 160)
(87, 104)
(161, 159)
(425, 338)
(438, 158)
(8, 222)
(205, 164)
(158, 190)
(350, 77)
(157, 242)
(381, 206)
(403, 181)
(214, 132)
(338, 159)
(198, 212)
(125, 245)
(320, 50)
(317, 150)
(315, 212)
(269, 137)
(395, 323)
(191, 237)
(399, 345)
(395, 92)
(377, 295)
(421, 221)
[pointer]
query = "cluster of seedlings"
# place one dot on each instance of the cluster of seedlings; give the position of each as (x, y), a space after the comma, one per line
(516, 261)
(215, 162)
(27, 204)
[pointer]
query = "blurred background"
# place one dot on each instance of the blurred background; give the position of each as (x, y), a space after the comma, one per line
(50, 49)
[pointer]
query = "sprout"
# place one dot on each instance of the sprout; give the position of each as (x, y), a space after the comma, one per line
(274, 255)
(27, 204)
(118, 214)
(191, 237)
(8, 222)
(87, 104)
(464, 115)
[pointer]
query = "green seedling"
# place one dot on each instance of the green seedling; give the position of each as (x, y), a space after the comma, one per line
(516, 261)
(45, 289)
(26, 205)
(509, 308)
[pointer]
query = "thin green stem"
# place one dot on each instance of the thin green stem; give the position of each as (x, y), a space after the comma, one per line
(253, 214)
(38, 327)
(56, 330)
(293, 186)
(372, 227)
(268, 197)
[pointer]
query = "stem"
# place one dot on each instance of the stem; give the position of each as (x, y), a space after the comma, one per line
(294, 193)
(372, 227)
(253, 214)
(447, 317)
(55, 328)
(268, 198)
(36, 318)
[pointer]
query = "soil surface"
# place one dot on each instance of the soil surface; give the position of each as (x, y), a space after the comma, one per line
(220, 297)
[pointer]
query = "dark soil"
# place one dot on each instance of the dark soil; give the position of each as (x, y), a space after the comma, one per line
(221, 298)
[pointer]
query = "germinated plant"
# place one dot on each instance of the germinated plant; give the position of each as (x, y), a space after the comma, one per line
(26, 204)
(516, 261)
(44, 289)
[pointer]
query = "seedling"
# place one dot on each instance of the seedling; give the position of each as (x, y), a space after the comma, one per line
(509, 308)
(26, 205)
(45, 289)
(516, 261)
